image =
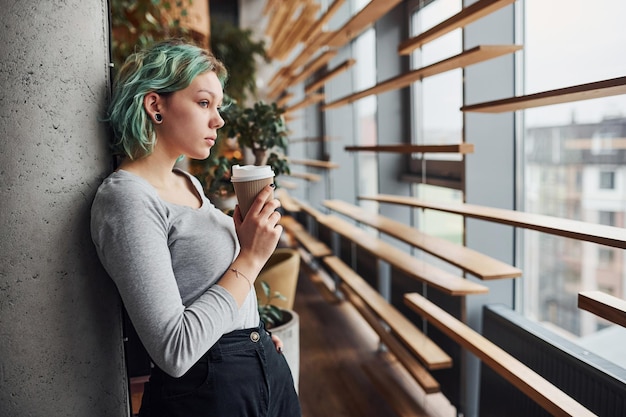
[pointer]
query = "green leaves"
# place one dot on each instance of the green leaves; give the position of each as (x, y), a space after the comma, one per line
(260, 127)
(136, 24)
(239, 52)
(270, 314)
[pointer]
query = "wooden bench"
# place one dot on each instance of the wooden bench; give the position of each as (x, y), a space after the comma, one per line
(469, 260)
(544, 393)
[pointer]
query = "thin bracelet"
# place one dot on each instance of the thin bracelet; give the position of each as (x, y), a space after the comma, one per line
(237, 273)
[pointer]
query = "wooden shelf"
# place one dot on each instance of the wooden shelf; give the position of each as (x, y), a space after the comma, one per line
(611, 87)
(287, 185)
(284, 99)
(296, 19)
(344, 66)
(573, 229)
(531, 384)
(374, 10)
(312, 99)
(314, 163)
(312, 139)
(603, 305)
(305, 176)
(313, 66)
(471, 56)
(469, 260)
(428, 352)
(462, 148)
(408, 264)
(466, 16)
(316, 28)
(314, 40)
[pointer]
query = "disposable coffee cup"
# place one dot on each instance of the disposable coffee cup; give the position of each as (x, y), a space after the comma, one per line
(248, 181)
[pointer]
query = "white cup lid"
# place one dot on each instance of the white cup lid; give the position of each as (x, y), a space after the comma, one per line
(251, 173)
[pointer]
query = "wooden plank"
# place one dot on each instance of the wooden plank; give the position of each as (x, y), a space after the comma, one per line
(288, 203)
(374, 10)
(314, 163)
(573, 229)
(469, 260)
(281, 102)
(399, 398)
(420, 374)
(312, 245)
(471, 56)
(411, 266)
(311, 99)
(466, 16)
(313, 66)
(316, 28)
(533, 385)
(462, 148)
(431, 355)
(603, 305)
(312, 139)
(344, 66)
(605, 88)
(305, 176)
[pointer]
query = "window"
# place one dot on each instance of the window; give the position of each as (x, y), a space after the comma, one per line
(436, 100)
(566, 150)
(607, 180)
(364, 50)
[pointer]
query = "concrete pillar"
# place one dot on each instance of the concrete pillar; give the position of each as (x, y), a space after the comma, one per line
(61, 352)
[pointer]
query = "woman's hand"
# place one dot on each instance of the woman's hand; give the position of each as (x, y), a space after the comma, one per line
(278, 343)
(259, 232)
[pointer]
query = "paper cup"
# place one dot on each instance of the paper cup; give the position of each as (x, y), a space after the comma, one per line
(248, 181)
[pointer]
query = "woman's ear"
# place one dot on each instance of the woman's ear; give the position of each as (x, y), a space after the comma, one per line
(152, 104)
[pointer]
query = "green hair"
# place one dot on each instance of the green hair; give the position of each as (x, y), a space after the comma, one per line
(164, 68)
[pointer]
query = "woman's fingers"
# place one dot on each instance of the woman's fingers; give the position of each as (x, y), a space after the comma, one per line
(278, 343)
(260, 200)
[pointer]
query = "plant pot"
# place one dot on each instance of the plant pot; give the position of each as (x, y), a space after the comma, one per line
(289, 333)
(224, 203)
(281, 274)
(251, 157)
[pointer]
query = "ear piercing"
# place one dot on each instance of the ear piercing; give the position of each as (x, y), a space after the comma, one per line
(158, 118)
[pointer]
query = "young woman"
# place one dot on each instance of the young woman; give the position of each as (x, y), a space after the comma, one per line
(186, 271)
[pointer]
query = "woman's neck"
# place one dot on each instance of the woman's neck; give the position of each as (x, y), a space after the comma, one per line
(156, 170)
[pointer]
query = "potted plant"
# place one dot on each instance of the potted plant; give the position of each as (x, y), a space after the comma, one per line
(258, 131)
(275, 309)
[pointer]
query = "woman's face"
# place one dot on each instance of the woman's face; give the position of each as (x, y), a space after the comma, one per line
(191, 118)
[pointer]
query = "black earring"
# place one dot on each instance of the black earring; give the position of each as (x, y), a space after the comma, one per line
(158, 117)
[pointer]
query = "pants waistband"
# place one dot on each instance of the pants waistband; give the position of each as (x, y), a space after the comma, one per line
(236, 341)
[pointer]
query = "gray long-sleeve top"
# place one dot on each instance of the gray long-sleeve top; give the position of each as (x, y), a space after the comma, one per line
(165, 260)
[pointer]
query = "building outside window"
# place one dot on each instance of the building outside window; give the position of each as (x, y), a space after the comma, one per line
(574, 164)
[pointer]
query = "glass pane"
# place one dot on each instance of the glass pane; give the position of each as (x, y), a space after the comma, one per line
(437, 99)
(366, 132)
(574, 164)
(438, 223)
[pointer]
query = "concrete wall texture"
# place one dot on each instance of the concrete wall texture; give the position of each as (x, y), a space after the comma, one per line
(61, 352)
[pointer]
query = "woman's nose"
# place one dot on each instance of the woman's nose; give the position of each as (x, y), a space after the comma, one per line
(217, 122)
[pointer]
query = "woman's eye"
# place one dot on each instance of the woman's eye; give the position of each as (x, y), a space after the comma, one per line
(204, 103)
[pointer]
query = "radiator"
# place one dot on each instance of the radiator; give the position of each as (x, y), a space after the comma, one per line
(593, 381)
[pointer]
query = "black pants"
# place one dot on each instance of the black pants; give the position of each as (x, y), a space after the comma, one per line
(242, 375)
